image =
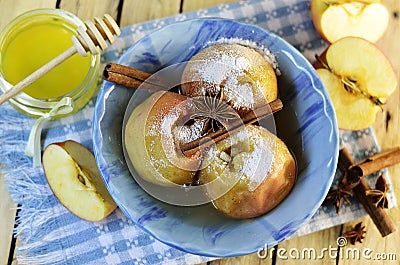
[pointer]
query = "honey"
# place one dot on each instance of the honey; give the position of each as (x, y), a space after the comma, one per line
(30, 41)
(34, 46)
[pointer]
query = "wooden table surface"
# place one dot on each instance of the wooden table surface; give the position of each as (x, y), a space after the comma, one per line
(128, 12)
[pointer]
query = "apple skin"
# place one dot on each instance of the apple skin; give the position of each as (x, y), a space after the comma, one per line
(258, 190)
(73, 176)
(362, 61)
(150, 142)
(368, 20)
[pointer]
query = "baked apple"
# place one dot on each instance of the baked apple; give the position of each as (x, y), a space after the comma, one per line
(261, 165)
(240, 75)
(152, 140)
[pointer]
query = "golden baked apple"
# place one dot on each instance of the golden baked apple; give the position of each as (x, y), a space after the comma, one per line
(261, 165)
(151, 140)
(240, 75)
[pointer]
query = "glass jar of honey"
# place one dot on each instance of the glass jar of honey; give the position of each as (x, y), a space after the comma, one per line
(29, 42)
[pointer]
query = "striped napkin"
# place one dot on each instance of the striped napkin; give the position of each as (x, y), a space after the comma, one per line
(51, 235)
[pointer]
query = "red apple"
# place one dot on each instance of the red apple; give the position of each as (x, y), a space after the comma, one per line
(74, 178)
(335, 19)
(359, 78)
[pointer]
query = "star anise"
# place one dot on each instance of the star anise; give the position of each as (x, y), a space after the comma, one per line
(213, 110)
(343, 192)
(379, 194)
(356, 234)
(336, 197)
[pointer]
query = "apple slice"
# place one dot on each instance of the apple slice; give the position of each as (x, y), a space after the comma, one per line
(358, 78)
(74, 178)
(334, 20)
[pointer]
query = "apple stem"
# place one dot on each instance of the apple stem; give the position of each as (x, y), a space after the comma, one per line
(323, 63)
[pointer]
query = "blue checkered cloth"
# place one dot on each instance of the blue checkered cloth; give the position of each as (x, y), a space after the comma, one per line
(52, 235)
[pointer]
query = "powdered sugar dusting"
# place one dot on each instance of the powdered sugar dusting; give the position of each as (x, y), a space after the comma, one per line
(221, 70)
(161, 126)
(251, 44)
(227, 70)
(252, 156)
(255, 163)
(220, 65)
(233, 69)
(185, 133)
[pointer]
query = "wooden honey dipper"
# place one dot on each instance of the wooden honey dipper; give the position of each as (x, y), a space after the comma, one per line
(91, 36)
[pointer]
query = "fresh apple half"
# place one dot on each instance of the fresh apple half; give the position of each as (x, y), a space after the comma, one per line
(359, 78)
(335, 19)
(74, 178)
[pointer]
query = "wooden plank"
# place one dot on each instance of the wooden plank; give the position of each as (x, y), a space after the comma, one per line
(86, 9)
(7, 213)
(353, 254)
(190, 5)
(387, 130)
(135, 11)
(12, 8)
(386, 127)
(392, 242)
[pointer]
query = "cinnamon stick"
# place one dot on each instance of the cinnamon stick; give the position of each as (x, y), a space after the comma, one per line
(134, 78)
(378, 215)
(124, 75)
(377, 162)
(249, 118)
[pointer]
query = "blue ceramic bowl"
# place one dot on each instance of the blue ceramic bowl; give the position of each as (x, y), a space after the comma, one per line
(307, 124)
